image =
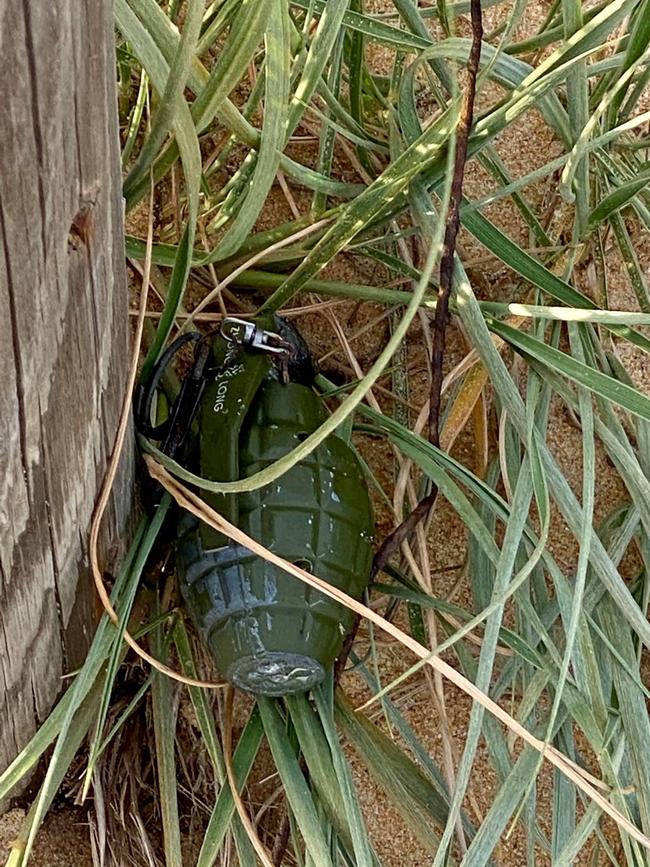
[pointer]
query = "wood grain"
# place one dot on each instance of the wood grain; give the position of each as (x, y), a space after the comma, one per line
(63, 341)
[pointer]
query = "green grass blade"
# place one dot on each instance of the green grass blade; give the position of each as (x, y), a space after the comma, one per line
(621, 196)
(632, 708)
(413, 796)
(581, 146)
(79, 689)
(578, 110)
(170, 98)
(206, 722)
(223, 813)
(295, 786)
(520, 261)
(246, 33)
(636, 272)
(124, 613)
(318, 56)
(522, 498)
(216, 26)
(136, 118)
(636, 46)
(317, 754)
(204, 713)
(164, 726)
(371, 27)
(273, 130)
(506, 636)
(327, 141)
(186, 137)
(363, 854)
(494, 825)
(408, 735)
(599, 383)
(77, 729)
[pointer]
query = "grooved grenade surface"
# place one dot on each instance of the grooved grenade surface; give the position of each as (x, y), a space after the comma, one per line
(269, 632)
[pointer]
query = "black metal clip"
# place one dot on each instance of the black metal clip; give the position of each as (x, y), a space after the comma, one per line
(174, 429)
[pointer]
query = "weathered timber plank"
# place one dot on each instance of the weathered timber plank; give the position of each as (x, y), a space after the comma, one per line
(63, 340)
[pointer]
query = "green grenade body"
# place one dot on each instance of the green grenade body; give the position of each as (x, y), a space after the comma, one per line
(269, 632)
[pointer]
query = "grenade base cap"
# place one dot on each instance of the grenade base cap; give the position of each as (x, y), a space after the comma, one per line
(275, 673)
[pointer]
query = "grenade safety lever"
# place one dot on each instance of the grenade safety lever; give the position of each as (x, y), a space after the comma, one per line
(174, 429)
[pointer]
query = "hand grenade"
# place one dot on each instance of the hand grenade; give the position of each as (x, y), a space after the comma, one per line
(269, 632)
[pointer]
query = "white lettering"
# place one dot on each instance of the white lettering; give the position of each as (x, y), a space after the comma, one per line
(220, 400)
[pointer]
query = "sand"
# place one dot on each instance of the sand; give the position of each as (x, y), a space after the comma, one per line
(62, 842)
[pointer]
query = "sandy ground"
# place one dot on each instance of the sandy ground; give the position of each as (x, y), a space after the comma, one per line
(64, 838)
(62, 842)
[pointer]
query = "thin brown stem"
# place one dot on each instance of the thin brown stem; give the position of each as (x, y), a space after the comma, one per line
(245, 819)
(403, 531)
(281, 841)
(453, 225)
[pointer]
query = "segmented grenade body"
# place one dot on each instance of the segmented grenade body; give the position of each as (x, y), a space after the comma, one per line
(269, 632)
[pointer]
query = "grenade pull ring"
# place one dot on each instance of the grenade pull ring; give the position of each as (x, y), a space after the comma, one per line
(249, 334)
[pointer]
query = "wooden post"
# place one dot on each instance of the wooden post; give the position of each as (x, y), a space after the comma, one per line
(64, 341)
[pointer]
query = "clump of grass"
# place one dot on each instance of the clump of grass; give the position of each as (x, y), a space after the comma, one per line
(216, 102)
